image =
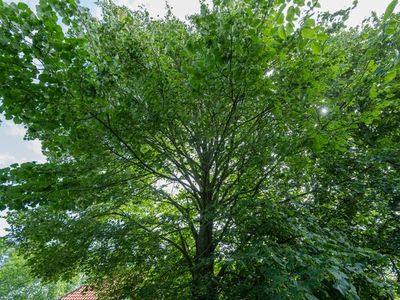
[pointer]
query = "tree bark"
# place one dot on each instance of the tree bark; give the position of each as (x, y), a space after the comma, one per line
(203, 283)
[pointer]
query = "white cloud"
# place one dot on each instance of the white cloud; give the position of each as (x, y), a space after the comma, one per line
(6, 159)
(35, 147)
(180, 8)
(13, 147)
(3, 226)
(33, 153)
(32, 3)
(3, 223)
(362, 11)
(128, 3)
(12, 129)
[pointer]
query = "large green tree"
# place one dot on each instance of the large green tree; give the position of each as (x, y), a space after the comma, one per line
(250, 152)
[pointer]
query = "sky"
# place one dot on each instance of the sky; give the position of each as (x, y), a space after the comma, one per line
(13, 147)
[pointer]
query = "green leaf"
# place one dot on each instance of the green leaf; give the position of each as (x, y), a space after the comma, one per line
(308, 33)
(280, 19)
(372, 66)
(289, 28)
(282, 33)
(309, 22)
(390, 76)
(315, 47)
(322, 37)
(389, 10)
(373, 92)
(290, 14)
(22, 6)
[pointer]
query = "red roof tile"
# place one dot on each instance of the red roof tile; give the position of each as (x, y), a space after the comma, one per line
(82, 293)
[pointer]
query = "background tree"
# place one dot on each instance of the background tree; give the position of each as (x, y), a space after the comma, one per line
(17, 283)
(249, 152)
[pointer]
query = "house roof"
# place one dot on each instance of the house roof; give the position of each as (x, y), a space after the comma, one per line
(81, 293)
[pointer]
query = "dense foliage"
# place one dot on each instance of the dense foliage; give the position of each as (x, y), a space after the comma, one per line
(251, 152)
(17, 283)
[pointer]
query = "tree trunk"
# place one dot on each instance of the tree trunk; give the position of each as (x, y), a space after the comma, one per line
(203, 285)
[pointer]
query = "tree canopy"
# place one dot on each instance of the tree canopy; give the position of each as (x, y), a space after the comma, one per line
(249, 152)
